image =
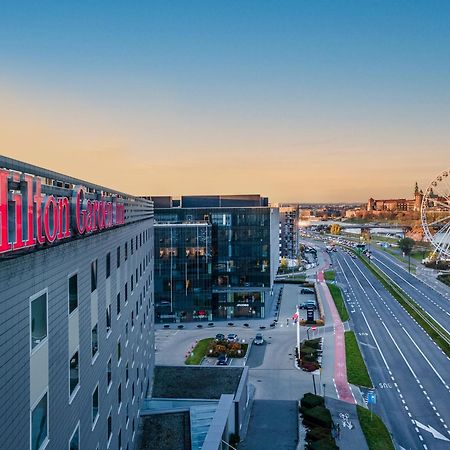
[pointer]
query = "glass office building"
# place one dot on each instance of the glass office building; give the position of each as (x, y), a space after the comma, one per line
(242, 259)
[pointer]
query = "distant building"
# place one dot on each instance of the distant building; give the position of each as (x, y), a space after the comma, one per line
(216, 257)
(289, 217)
(397, 204)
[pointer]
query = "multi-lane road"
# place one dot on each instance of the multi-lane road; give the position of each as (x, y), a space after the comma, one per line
(409, 371)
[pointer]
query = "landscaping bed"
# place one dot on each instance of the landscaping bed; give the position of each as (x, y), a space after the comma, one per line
(310, 352)
(375, 432)
(198, 352)
(356, 367)
(318, 422)
(444, 278)
(231, 349)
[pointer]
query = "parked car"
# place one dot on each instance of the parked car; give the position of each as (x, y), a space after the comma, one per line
(222, 360)
(259, 340)
(309, 305)
(307, 291)
(232, 337)
(220, 337)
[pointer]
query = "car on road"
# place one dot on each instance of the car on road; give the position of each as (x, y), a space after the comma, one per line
(308, 305)
(259, 340)
(222, 360)
(307, 291)
(232, 337)
(220, 337)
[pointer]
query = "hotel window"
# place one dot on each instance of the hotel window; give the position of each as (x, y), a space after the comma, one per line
(136, 243)
(94, 340)
(38, 319)
(132, 283)
(108, 319)
(132, 246)
(119, 395)
(126, 332)
(74, 443)
(126, 251)
(119, 440)
(39, 424)
(132, 390)
(119, 351)
(74, 370)
(95, 405)
(73, 293)
(136, 276)
(126, 373)
(118, 304)
(108, 265)
(93, 275)
(132, 319)
(126, 293)
(118, 257)
(127, 416)
(109, 428)
(108, 374)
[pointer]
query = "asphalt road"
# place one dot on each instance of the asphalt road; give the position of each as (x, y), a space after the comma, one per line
(410, 373)
(423, 294)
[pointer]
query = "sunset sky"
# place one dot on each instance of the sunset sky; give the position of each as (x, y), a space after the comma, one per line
(297, 100)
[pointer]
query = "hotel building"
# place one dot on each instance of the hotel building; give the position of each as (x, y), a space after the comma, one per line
(76, 311)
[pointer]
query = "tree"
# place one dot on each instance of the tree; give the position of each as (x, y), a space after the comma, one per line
(283, 263)
(335, 229)
(406, 245)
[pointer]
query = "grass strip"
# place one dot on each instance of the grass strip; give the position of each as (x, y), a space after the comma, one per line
(444, 279)
(356, 367)
(338, 301)
(442, 338)
(375, 431)
(199, 352)
(329, 275)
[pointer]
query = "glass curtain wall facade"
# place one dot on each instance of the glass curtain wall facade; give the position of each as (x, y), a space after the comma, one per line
(183, 268)
(244, 256)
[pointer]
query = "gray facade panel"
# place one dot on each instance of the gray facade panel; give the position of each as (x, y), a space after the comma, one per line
(26, 275)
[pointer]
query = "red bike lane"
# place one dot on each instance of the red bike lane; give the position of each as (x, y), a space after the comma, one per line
(340, 368)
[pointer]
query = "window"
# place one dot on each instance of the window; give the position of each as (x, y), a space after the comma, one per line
(126, 373)
(127, 416)
(132, 390)
(38, 319)
(119, 351)
(119, 395)
(118, 256)
(126, 332)
(132, 319)
(73, 293)
(95, 405)
(118, 304)
(108, 265)
(109, 427)
(126, 251)
(108, 373)
(132, 283)
(136, 276)
(94, 340)
(119, 440)
(39, 423)
(132, 246)
(126, 292)
(74, 443)
(93, 275)
(108, 318)
(74, 372)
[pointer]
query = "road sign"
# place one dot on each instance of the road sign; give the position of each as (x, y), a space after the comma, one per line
(371, 398)
(314, 328)
(310, 314)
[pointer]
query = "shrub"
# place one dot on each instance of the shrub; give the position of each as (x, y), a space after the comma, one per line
(310, 400)
(317, 416)
(324, 444)
(310, 366)
(317, 434)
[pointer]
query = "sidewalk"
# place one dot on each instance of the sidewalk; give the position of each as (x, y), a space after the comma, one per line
(350, 435)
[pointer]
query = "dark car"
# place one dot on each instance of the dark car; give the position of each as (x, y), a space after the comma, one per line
(308, 305)
(220, 337)
(222, 360)
(307, 291)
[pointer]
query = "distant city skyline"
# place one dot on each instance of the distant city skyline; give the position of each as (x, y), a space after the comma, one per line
(302, 102)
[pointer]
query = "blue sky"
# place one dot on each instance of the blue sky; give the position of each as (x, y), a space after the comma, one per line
(197, 92)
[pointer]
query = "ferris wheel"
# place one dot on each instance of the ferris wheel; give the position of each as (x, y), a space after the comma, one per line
(435, 214)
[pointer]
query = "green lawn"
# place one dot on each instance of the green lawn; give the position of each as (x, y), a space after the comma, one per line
(199, 352)
(444, 279)
(338, 301)
(329, 275)
(356, 367)
(376, 433)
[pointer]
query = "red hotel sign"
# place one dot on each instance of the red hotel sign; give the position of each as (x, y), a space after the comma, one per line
(29, 219)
